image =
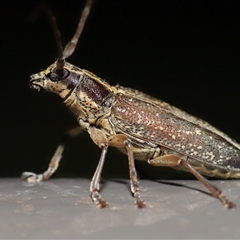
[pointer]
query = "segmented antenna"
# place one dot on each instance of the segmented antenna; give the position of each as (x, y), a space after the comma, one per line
(70, 47)
(42, 6)
(56, 31)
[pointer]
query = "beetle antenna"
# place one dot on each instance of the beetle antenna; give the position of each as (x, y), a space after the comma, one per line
(70, 47)
(56, 31)
(42, 6)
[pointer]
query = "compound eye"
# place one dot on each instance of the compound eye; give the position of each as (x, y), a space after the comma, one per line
(58, 75)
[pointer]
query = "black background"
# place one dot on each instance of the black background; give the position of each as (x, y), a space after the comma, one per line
(183, 52)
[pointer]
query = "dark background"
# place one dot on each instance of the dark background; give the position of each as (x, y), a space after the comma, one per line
(183, 52)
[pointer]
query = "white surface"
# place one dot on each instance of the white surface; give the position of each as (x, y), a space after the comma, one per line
(62, 208)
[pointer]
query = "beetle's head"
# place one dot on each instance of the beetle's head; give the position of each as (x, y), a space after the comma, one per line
(61, 77)
(60, 81)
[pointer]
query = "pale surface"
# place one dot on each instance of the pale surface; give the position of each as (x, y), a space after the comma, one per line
(61, 208)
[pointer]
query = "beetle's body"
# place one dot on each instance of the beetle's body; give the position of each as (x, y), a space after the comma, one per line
(154, 128)
(137, 124)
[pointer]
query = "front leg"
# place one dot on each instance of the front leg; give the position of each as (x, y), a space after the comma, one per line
(175, 161)
(100, 139)
(119, 141)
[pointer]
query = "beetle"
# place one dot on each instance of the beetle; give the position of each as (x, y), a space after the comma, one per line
(142, 127)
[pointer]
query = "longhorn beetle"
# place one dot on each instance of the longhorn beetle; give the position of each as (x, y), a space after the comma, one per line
(137, 124)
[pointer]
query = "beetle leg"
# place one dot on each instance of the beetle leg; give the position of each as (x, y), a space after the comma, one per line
(168, 160)
(120, 141)
(172, 160)
(53, 165)
(99, 138)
